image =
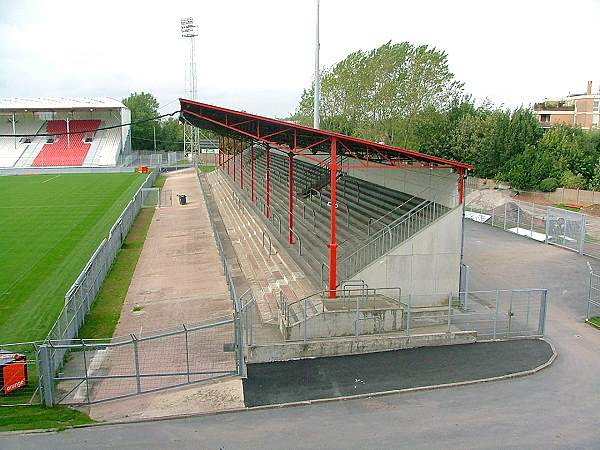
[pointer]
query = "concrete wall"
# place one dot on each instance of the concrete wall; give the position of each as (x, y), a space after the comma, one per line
(427, 266)
(342, 323)
(440, 185)
(353, 346)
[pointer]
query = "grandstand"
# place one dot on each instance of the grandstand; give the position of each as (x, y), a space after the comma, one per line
(347, 209)
(63, 132)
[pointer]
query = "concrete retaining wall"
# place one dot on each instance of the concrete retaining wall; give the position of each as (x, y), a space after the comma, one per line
(342, 323)
(428, 262)
(353, 346)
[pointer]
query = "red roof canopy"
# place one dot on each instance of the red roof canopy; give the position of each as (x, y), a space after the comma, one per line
(301, 140)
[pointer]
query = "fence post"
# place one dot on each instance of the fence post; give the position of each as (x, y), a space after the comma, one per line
(46, 375)
(543, 311)
(187, 352)
(136, 361)
(589, 299)
(356, 320)
(305, 319)
(449, 311)
(496, 312)
(582, 236)
(87, 385)
(249, 327)
(408, 316)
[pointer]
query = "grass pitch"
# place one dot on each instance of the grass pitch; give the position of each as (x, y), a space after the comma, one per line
(50, 226)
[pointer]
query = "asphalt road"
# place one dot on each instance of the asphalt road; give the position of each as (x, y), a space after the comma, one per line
(556, 408)
(310, 379)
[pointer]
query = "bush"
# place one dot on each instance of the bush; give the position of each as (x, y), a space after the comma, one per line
(571, 181)
(548, 184)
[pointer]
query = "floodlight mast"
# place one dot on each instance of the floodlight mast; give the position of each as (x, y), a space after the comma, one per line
(317, 89)
(191, 135)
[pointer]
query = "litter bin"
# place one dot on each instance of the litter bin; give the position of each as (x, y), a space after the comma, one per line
(182, 199)
(13, 371)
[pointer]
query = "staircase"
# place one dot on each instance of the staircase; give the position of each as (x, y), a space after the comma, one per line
(272, 275)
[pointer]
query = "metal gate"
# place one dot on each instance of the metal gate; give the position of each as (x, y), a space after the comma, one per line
(565, 228)
(156, 197)
(120, 367)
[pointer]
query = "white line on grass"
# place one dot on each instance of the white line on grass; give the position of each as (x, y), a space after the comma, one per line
(50, 179)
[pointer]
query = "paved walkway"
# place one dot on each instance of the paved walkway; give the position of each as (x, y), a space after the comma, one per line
(178, 280)
(179, 277)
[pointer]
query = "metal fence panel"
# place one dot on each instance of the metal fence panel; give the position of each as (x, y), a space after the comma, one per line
(116, 368)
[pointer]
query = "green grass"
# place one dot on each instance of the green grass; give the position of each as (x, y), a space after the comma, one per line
(160, 181)
(595, 321)
(207, 169)
(568, 208)
(51, 225)
(36, 417)
(102, 319)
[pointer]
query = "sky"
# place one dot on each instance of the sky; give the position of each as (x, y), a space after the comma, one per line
(259, 55)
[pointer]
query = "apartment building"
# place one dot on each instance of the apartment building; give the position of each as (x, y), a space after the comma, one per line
(582, 110)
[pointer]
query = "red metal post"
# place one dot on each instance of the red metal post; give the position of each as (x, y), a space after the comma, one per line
(228, 159)
(241, 165)
(333, 244)
(291, 193)
(234, 149)
(461, 185)
(268, 170)
(252, 173)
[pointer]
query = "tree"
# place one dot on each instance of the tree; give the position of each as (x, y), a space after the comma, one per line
(379, 94)
(171, 135)
(143, 106)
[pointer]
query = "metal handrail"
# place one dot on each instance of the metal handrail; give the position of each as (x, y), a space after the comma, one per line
(389, 230)
(374, 221)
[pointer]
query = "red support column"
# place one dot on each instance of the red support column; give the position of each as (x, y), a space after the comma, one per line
(228, 159)
(333, 244)
(234, 149)
(268, 170)
(291, 193)
(252, 173)
(461, 185)
(241, 165)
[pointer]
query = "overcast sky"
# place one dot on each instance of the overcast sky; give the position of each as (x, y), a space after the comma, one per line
(258, 55)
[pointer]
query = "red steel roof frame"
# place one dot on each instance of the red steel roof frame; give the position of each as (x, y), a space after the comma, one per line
(304, 141)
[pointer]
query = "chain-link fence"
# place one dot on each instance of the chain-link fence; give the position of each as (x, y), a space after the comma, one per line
(98, 370)
(360, 311)
(593, 300)
(556, 226)
(158, 160)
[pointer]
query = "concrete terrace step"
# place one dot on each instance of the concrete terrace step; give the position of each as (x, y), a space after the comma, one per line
(268, 274)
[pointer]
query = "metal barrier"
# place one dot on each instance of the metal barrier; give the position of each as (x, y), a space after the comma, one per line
(360, 310)
(556, 226)
(593, 301)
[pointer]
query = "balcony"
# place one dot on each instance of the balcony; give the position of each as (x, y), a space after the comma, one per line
(553, 106)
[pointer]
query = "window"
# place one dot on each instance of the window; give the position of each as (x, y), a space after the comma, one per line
(545, 118)
(596, 105)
